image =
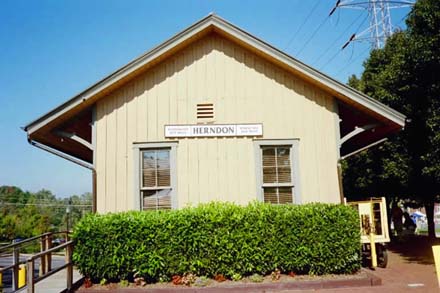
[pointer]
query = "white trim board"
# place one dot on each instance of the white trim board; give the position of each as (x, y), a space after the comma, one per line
(214, 21)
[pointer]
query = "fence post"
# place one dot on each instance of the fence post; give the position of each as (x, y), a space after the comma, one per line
(15, 262)
(49, 255)
(42, 269)
(69, 269)
(30, 276)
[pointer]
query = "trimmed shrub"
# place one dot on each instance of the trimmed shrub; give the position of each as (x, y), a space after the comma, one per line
(219, 238)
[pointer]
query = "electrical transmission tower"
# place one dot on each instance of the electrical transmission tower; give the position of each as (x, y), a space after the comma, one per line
(380, 27)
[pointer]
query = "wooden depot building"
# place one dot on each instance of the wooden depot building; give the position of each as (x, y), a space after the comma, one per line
(213, 114)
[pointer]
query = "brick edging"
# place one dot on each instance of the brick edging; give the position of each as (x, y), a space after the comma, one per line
(370, 280)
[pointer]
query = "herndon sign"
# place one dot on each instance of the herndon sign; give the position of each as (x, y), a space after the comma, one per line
(213, 130)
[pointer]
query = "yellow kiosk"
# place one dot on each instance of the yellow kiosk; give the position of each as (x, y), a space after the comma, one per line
(374, 230)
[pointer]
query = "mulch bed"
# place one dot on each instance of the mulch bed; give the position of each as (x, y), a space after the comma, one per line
(360, 279)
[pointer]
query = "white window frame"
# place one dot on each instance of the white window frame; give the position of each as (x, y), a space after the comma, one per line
(294, 161)
(137, 156)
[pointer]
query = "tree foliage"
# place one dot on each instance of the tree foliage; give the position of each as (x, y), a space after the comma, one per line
(25, 214)
(404, 75)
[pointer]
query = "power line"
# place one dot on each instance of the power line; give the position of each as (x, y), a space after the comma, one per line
(365, 50)
(330, 60)
(6, 197)
(354, 36)
(402, 19)
(345, 45)
(352, 59)
(380, 27)
(332, 44)
(350, 40)
(9, 198)
(311, 37)
(302, 24)
(43, 204)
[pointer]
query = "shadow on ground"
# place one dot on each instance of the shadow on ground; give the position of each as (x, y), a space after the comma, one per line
(414, 249)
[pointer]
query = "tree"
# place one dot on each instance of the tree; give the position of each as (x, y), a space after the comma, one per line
(26, 214)
(404, 75)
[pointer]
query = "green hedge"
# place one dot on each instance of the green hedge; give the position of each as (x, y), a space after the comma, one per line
(219, 238)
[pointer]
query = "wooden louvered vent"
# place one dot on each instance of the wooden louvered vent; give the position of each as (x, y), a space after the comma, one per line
(156, 179)
(205, 111)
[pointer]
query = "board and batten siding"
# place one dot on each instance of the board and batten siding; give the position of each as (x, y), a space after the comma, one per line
(244, 88)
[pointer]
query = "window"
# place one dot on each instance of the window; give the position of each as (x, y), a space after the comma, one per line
(156, 181)
(156, 186)
(277, 177)
(276, 171)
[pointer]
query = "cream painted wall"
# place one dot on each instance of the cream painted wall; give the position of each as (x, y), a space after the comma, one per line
(245, 89)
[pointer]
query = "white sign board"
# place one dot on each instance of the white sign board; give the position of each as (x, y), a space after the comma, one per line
(213, 130)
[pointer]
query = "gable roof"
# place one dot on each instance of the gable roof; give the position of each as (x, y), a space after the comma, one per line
(200, 28)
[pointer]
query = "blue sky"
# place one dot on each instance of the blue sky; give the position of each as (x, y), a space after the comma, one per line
(50, 50)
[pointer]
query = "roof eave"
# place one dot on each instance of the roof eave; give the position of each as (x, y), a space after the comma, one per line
(120, 73)
(203, 24)
(312, 73)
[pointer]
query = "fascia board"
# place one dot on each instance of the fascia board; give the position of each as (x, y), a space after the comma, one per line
(314, 74)
(241, 35)
(118, 75)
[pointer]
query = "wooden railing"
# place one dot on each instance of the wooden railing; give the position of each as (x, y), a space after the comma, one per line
(32, 280)
(45, 256)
